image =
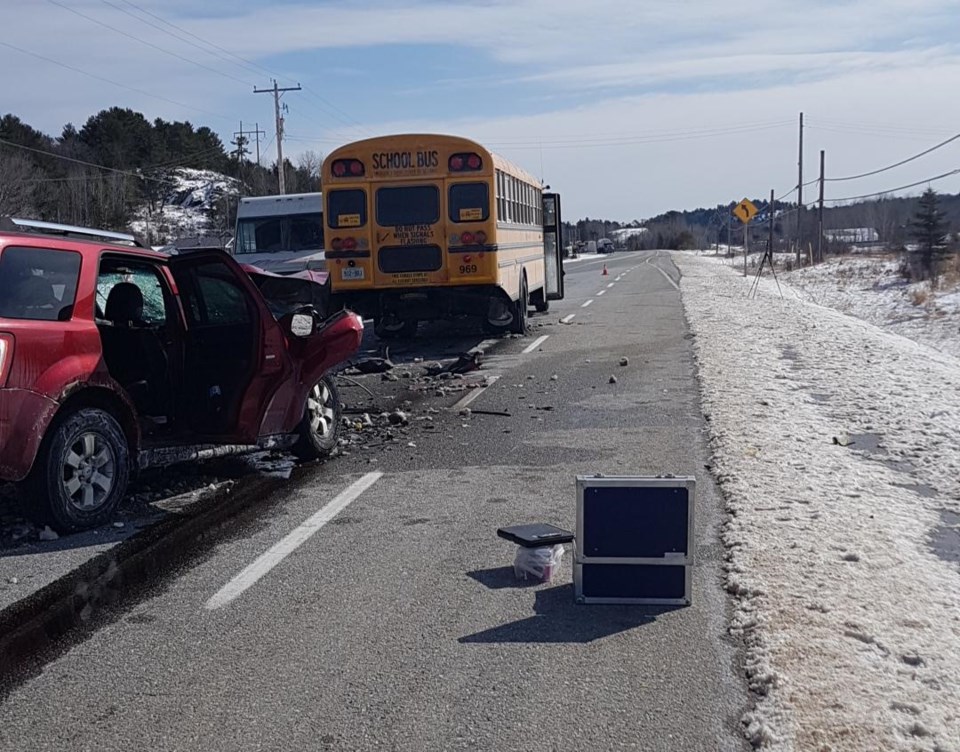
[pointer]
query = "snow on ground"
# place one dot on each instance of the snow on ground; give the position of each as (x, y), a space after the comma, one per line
(874, 290)
(187, 206)
(837, 446)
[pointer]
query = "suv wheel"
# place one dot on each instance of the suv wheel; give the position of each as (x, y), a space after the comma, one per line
(320, 427)
(81, 473)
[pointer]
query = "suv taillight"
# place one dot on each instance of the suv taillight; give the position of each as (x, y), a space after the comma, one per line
(6, 357)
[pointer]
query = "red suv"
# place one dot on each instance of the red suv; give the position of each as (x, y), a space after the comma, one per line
(114, 358)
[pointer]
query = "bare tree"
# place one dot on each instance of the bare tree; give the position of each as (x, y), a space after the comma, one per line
(16, 190)
(310, 163)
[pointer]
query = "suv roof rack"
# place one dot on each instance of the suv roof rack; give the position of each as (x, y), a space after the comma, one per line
(15, 224)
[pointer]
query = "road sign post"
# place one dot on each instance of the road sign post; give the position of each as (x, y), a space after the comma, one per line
(745, 211)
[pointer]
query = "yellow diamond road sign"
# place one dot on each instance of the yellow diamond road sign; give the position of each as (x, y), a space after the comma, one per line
(745, 211)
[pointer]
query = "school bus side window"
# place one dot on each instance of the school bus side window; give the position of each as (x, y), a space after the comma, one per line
(346, 208)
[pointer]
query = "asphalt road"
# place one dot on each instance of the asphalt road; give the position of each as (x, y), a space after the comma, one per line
(393, 621)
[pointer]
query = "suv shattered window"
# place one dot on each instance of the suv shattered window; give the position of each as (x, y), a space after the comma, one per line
(38, 284)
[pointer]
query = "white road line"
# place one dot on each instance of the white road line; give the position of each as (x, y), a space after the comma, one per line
(567, 319)
(535, 344)
(665, 275)
(601, 293)
(290, 543)
(491, 380)
(610, 285)
(587, 303)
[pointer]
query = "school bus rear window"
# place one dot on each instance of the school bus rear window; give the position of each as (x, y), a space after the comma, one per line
(469, 202)
(346, 208)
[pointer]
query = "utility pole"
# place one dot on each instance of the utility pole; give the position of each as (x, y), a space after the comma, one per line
(820, 211)
(772, 199)
(800, 194)
(241, 142)
(277, 91)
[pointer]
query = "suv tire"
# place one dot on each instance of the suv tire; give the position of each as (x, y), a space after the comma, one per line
(320, 428)
(81, 472)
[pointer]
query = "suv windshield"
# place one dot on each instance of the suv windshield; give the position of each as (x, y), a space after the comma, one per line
(38, 284)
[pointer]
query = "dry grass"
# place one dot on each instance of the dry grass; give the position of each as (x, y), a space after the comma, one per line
(920, 296)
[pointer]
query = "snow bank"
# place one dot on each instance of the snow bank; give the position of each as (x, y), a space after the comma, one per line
(837, 447)
(874, 290)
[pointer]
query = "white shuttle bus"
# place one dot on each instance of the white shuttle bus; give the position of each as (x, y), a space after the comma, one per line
(280, 234)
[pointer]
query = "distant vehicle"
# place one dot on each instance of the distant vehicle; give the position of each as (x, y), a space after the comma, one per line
(424, 227)
(605, 245)
(115, 357)
(281, 234)
(591, 247)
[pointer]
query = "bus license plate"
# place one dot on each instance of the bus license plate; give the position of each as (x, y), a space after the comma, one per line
(355, 272)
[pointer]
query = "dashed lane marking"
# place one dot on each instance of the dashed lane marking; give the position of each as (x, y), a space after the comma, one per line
(290, 543)
(535, 344)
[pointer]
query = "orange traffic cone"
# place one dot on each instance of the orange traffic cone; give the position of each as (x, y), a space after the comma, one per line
(605, 272)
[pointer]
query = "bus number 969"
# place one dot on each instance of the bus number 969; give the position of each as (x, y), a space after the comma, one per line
(468, 268)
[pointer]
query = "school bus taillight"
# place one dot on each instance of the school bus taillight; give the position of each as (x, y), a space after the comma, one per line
(348, 168)
(469, 238)
(465, 162)
(343, 244)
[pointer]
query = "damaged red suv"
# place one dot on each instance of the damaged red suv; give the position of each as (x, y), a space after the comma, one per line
(115, 358)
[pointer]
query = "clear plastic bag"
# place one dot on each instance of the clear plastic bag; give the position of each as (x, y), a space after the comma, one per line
(537, 563)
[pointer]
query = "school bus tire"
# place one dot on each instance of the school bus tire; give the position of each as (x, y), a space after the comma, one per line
(519, 323)
(539, 300)
(405, 329)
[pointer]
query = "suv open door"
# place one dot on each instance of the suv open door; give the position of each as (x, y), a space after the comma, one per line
(553, 245)
(235, 355)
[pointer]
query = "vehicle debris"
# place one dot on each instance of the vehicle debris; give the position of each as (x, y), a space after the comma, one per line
(47, 534)
(613, 380)
(380, 364)
(624, 361)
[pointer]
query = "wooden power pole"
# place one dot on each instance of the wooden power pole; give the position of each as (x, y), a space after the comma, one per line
(277, 91)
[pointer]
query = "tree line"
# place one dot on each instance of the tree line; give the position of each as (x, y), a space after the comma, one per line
(118, 162)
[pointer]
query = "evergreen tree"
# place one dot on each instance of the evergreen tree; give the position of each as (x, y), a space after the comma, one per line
(930, 229)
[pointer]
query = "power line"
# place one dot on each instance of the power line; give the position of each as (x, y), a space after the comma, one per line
(878, 127)
(896, 164)
(330, 109)
(792, 190)
(149, 44)
(176, 36)
(652, 137)
(893, 190)
(82, 162)
(114, 83)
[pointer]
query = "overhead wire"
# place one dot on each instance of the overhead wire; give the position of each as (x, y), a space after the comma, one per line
(97, 77)
(894, 190)
(157, 47)
(639, 138)
(330, 109)
(65, 158)
(896, 164)
(180, 37)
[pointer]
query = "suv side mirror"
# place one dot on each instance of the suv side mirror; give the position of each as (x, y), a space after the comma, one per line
(301, 325)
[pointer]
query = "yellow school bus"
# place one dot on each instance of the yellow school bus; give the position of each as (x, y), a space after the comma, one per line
(425, 227)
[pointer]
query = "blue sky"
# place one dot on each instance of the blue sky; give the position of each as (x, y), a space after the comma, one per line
(627, 107)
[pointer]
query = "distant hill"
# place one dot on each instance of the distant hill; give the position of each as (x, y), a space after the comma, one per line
(120, 171)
